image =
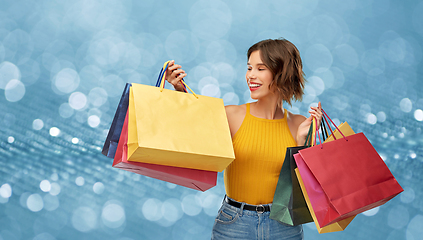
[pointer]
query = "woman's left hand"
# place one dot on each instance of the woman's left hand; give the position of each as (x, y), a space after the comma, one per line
(315, 112)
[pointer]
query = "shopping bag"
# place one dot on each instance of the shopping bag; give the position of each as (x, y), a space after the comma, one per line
(348, 176)
(191, 178)
(178, 129)
(337, 226)
(288, 204)
(334, 227)
(112, 139)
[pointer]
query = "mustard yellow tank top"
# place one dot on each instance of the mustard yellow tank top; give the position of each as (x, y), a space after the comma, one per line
(260, 147)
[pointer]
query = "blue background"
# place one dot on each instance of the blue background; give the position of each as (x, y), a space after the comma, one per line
(63, 66)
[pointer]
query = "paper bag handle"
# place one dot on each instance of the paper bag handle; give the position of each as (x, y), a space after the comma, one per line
(161, 80)
(316, 129)
(324, 113)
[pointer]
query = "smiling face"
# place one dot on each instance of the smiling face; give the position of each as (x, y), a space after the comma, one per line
(258, 77)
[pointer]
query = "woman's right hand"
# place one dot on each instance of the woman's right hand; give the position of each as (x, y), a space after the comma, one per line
(174, 75)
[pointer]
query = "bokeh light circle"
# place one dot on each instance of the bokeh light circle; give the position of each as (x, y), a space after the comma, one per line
(84, 219)
(318, 58)
(14, 90)
(210, 20)
(113, 214)
(37, 124)
(182, 46)
(77, 100)
(35, 202)
(8, 72)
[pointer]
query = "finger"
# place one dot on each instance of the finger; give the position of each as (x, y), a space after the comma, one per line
(181, 76)
(174, 67)
(178, 72)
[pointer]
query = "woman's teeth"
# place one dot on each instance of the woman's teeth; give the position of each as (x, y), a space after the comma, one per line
(252, 85)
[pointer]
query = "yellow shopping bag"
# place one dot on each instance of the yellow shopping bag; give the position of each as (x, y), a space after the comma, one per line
(178, 129)
(337, 226)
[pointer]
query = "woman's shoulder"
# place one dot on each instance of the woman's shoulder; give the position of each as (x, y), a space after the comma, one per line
(296, 119)
(236, 109)
(235, 115)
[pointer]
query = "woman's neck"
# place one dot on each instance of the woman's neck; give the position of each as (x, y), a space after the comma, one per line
(267, 108)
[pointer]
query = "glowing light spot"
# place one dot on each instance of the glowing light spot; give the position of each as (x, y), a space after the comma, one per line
(151, 209)
(14, 90)
(84, 219)
(35, 202)
(75, 140)
(347, 55)
(318, 58)
(182, 45)
(54, 177)
(371, 212)
(77, 100)
(171, 185)
(230, 98)
(211, 90)
(408, 195)
(65, 110)
(97, 96)
(98, 188)
(55, 189)
(309, 94)
(6, 191)
(413, 155)
(381, 117)
(45, 186)
(210, 21)
(171, 210)
(418, 115)
(67, 80)
(210, 204)
(54, 131)
(318, 84)
(406, 105)
(37, 124)
(80, 181)
(8, 72)
(10, 139)
(113, 214)
(191, 205)
(371, 119)
(93, 121)
(414, 229)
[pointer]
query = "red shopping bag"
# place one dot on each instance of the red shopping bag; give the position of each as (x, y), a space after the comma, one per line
(191, 178)
(345, 177)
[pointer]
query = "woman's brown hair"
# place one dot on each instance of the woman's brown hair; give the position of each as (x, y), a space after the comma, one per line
(283, 59)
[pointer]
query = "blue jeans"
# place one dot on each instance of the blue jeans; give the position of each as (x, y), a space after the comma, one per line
(237, 223)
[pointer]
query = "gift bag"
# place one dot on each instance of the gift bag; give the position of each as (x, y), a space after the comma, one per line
(334, 227)
(337, 226)
(178, 129)
(288, 204)
(345, 177)
(110, 145)
(191, 178)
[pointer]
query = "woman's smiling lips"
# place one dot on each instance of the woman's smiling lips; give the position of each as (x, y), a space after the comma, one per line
(254, 86)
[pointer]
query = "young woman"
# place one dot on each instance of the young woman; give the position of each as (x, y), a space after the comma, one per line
(261, 131)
